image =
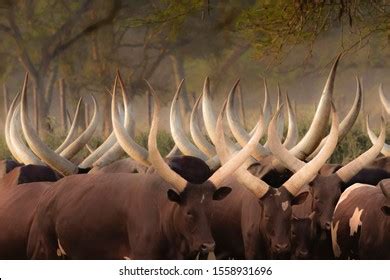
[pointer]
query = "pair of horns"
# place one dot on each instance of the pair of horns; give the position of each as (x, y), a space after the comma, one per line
(51, 158)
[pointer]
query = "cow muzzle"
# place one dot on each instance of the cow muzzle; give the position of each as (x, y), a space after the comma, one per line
(207, 247)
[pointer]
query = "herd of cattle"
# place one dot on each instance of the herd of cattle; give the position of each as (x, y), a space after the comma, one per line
(217, 194)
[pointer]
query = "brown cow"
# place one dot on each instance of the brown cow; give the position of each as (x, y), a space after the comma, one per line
(254, 221)
(139, 216)
(325, 190)
(361, 222)
(18, 200)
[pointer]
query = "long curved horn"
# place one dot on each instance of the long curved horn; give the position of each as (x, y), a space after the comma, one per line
(348, 121)
(385, 102)
(278, 150)
(72, 134)
(71, 150)
(208, 113)
(196, 133)
(292, 132)
(373, 138)
(110, 150)
(237, 160)
(116, 151)
(243, 176)
(7, 128)
(238, 131)
(127, 143)
(155, 157)
(309, 171)
(52, 159)
(174, 152)
(280, 122)
(351, 169)
(267, 107)
(20, 148)
(318, 126)
(177, 131)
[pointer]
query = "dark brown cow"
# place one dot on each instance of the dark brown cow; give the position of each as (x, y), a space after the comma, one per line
(303, 236)
(325, 190)
(18, 200)
(361, 222)
(139, 216)
(254, 221)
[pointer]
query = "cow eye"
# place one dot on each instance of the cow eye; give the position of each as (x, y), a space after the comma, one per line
(293, 234)
(189, 214)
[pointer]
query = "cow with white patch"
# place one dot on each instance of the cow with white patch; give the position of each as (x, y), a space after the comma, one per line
(254, 222)
(361, 222)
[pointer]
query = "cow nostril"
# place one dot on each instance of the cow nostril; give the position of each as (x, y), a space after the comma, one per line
(327, 225)
(303, 253)
(282, 247)
(207, 247)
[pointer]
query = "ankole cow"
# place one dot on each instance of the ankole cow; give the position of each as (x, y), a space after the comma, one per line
(255, 220)
(18, 199)
(136, 216)
(325, 190)
(361, 222)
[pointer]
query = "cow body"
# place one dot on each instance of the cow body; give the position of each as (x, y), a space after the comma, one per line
(360, 227)
(18, 201)
(112, 216)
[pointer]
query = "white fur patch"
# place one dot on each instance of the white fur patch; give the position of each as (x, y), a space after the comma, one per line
(345, 194)
(126, 258)
(202, 199)
(285, 205)
(335, 245)
(277, 192)
(355, 221)
(60, 249)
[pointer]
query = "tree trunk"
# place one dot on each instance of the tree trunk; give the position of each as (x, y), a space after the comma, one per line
(61, 88)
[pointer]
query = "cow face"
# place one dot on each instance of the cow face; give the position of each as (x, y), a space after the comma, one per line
(275, 220)
(303, 236)
(191, 221)
(326, 191)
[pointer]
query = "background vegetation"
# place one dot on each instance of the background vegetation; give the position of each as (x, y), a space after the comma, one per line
(84, 42)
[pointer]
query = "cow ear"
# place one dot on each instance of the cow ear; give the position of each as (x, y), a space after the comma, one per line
(386, 210)
(174, 196)
(300, 198)
(221, 193)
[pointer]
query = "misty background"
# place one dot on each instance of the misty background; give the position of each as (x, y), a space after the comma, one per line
(293, 43)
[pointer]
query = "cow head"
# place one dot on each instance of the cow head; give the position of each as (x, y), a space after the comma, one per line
(275, 220)
(325, 192)
(386, 192)
(190, 218)
(303, 236)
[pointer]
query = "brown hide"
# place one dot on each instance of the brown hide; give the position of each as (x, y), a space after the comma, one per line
(116, 216)
(360, 226)
(18, 200)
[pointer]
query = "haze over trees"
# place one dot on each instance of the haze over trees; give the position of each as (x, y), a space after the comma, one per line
(84, 42)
